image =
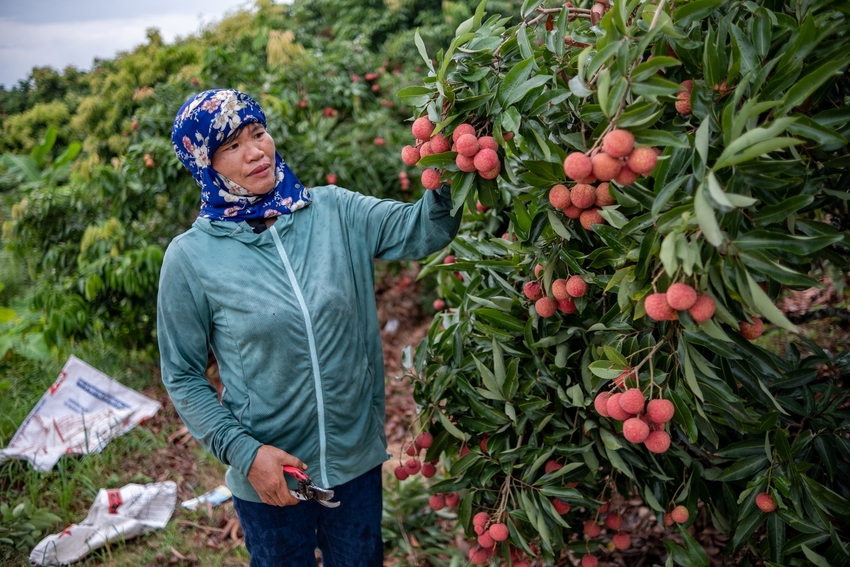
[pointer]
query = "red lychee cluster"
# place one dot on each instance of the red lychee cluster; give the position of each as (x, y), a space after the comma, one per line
(476, 153)
(638, 426)
(564, 292)
(582, 202)
(619, 160)
(413, 465)
(426, 144)
(439, 501)
(680, 297)
(489, 535)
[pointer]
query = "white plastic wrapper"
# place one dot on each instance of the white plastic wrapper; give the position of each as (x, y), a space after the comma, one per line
(117, 514)
(78, 414)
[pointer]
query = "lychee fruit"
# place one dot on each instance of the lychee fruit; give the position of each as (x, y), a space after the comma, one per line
(410, 155)
(483, 443)
(588, 560)
(481, 207)
(591, 528)
(428, 470)
(439, 144)
(545, 307)
(559, 196)
(590, 217)
(614, 409)
(411, 449)
(751, 331)
(620, 381)
(681, 296)
(499, 532)
(532, 290)
(613, 521)
(559, 289)
(424, 440)
(603, 196)
(622, 541)
(605, 167)
(486, 160)
(425, 149)
(683, 102)
(657, 307)
(703, 309)
(765, 502)
(452, 499)
(467, 145)
(412, 466)
(461, 130)
(507, 136)
(552, 466)
(422, 128)
(491, 174)
(572, 212)
(635, 430)
(567, 305)
(600, 403)
(660, 411)
(589, 180)
(626, 176)
(632, 401)
(401, 473)
(478, 555)
(439, 304)
(618, 143)
(537, 269)
(576, 286)
(642, 160)
(437, 502)
(583, 196)
(680, 514)
(488, 142)
(465, 163)
(577, 166)
(603, 508)
(431, 179)
(480, 519)
(450, 259)
(658, 441)
(486, 540)
(560, 506)
(668, 520)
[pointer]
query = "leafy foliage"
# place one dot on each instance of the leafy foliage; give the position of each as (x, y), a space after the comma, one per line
(22, 526)
(748, 198)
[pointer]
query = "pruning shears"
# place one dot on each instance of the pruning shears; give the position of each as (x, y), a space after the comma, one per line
(309, 491)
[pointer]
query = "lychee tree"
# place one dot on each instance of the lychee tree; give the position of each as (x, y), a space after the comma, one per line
(664, 172)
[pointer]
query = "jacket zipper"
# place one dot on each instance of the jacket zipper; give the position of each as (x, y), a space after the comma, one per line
(314, 359)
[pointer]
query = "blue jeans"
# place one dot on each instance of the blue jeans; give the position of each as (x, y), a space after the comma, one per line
(348, 536)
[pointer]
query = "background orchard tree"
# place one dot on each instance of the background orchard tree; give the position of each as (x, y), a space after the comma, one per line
(663, 173)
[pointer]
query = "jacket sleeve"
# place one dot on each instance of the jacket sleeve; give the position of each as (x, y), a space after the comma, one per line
(184, 319)
(402, 231)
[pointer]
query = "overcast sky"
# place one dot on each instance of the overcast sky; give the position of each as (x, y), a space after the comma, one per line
(58, 33)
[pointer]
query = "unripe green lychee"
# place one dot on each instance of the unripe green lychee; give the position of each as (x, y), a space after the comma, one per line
(681, 296)
(559, 289)
(437, 502)
(577, 166)
(499, 532)
(765, 502)
(680, 514)
(618, 143)
(626, 176)
(642, 160)
(461, 130)
(751, 331)
(467, 145)
(657, 442)
(622, 541)
(488, 142)
(486, 160)
(605, 167)
(632, 401)
(703, 309)
(410, 155)
(583, 196)
(590, 217)
(465, 163)
(591, 528)
(603, 196)
(567, 306)
(576, 286)
(600, 403)
(657, 307)
(532, 290)
(545, 307)
(422, 128)
(614, 521)
(635, 430)
(431, 179)
(614, 409)
(439, 144)
(660, 411)
(559, 196)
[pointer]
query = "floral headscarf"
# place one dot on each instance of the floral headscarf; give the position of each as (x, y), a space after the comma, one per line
(201, 125)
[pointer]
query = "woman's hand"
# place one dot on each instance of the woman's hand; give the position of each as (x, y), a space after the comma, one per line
(266, 475)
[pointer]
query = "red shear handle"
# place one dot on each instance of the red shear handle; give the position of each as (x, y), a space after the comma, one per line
(297, 473)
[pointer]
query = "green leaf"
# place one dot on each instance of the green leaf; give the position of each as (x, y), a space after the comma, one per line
(757, 150)
(450, 427)
(701, 140)
(501, 319)
(810, 82)
(420, 45)
(489, 379)
(761, 239)
(695, 551)
(649, 68)
(695, 11)
(744, 468)
(706, 219)
(765, 306)
(816, 559)
(415, 96)
(513, 81)
(781, 211)
(7, 314)
(775, 536)
(746, 526)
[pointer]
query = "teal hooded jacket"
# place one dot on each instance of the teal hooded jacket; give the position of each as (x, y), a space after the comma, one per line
(290, 315)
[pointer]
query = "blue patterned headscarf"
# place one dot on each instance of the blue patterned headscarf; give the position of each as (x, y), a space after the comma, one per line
(201, 125)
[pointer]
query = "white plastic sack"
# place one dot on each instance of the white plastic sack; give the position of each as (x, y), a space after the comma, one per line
(78, 414)
(125, 513)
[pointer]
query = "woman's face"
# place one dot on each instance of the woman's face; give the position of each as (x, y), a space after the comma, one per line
(248, 160)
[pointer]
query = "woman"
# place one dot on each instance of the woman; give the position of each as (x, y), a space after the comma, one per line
(279, 282)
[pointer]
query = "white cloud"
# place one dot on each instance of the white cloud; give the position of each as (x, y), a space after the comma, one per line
(59, 44)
